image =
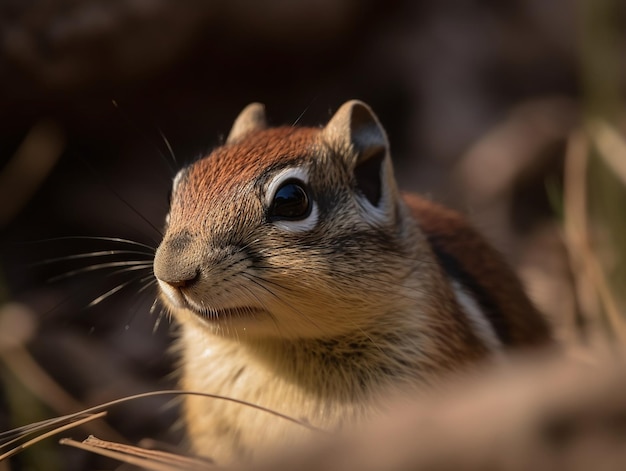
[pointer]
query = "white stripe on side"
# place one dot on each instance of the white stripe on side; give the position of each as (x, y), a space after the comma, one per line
(482, 327)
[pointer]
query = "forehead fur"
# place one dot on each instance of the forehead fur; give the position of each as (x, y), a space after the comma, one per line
(231, 168)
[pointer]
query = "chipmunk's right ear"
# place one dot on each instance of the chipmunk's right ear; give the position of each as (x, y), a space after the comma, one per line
(252, 118)
(356, 134)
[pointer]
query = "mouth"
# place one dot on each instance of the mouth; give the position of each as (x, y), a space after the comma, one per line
(181, 300)
(231, 313)
(216, 314)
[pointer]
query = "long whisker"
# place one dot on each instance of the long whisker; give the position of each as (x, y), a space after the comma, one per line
(157, 322)
(288, 248)
(131, 269)
(375, 282)
(151, 281)
(154, 305)
(102, 266)
(142, 284)
(100, 238)
(369, 281)
(111, 292)
(366, 281)
(145, 138)
(123, 200)
(305, 110)
(169, 148)
(101, 253)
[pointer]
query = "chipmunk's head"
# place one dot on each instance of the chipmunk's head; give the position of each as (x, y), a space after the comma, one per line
(281, 231)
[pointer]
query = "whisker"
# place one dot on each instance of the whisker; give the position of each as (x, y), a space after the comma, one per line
(248, 245)
(305, 110)
(139, 297)
(101, 253)
(102, 266)
(257, 281)
(100, 238)
(260, 301)
(111, 292)
(123, 200)
(163, 312)
(157, 322)
(289, 249)
(154, 305)
(129, 270)
(146, 140)
(372, 281)
(169, 149)
(151, 281)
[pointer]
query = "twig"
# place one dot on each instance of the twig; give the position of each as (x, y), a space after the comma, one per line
(144, 463)
(150, 459)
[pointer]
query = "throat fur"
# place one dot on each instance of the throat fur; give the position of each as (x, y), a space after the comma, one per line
(358, 365)
(326, 382)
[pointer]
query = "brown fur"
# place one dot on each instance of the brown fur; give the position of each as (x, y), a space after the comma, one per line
(316, 321)
(451, 232)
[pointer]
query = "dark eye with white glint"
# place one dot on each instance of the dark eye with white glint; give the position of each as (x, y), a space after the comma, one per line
(291, 202)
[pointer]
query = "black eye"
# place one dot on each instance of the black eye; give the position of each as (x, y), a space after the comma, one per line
(291, 202)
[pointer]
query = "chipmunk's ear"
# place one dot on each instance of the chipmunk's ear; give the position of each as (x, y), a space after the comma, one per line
(357, 135)
(251, 118)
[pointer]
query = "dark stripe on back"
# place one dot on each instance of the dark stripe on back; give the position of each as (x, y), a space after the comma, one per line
(453, 268)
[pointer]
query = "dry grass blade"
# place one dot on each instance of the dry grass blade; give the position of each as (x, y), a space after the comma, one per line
(575, 223)
(142, 462)
(19, 361)
(149, 459)
(590, 277)
(29, 167)
(50, 433)
(172, 392)
(18, 434)
(612, 147)
(98, 409)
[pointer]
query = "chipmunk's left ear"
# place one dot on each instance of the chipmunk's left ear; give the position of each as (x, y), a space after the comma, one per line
(252, 118)
(355, 133)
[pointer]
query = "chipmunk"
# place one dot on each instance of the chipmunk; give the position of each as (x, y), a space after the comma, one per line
(304, 281)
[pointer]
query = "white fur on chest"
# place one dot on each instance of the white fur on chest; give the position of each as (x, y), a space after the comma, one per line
(225, 430)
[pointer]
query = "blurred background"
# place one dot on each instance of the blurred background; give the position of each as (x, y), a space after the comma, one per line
(511, 112)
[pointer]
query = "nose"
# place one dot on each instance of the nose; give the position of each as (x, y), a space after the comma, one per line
(182, 281)
(175, 263)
